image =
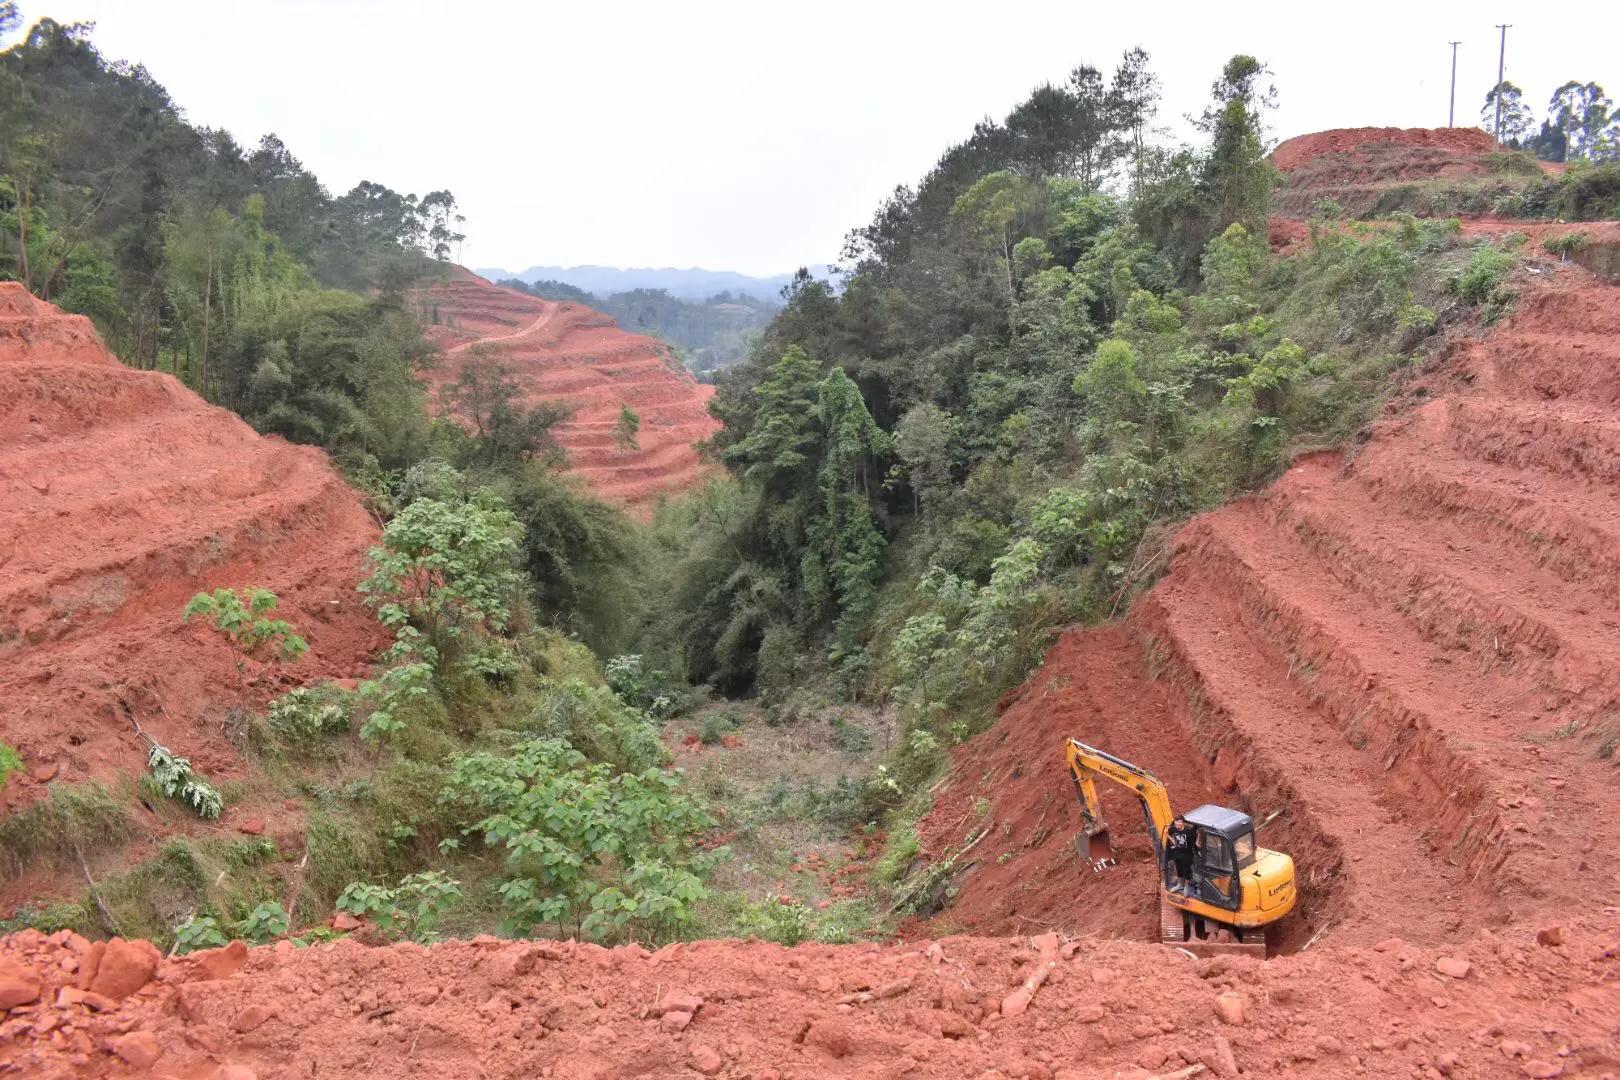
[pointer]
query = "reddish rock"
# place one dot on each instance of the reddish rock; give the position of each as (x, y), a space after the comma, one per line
(1229, 1007)
(233, 1072)
(44, 774)
(686, 1003)
(1550, 936)
(675, 1020)
(345, 922)
(1454, 966)
(1543, 1070)
(90, 963)
(139, 1049)
(1393, 944)
(830, 1036)
(125, 967)
(18, 985)
(251, 1017)
(1221, 1058)
(251, 827)
(1152, 1057)
(220, 963)
(707, 1060)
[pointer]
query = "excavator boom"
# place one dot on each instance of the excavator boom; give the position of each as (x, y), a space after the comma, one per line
(1085, 762)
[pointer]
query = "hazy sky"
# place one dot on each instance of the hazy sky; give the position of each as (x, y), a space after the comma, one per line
(752, 136)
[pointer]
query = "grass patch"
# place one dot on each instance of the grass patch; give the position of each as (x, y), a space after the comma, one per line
(74, 820)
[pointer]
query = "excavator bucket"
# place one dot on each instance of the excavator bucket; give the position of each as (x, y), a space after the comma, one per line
(1099, 849)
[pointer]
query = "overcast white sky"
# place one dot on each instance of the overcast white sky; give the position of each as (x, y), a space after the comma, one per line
(752, 136)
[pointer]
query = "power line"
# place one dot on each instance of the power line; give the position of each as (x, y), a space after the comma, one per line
(1451, 115)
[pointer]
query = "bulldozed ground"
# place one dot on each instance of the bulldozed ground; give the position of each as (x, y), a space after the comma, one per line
(1403, 658)
(567, 354)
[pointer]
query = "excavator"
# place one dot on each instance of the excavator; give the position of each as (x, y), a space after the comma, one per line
(1237, 891)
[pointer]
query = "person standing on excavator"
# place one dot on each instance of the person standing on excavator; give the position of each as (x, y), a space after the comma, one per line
(1178, 845)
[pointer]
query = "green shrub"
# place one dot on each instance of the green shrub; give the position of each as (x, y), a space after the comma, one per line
(851, 738)
(1565, 244)
(1481, 280)
(310, 712)
(411, 909)
(264, 924)
(176, 779)
(717, 725)
(572, 830)
(247, 628)
(10, 762)
(199, 932)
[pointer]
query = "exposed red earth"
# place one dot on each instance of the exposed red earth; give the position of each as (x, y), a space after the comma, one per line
(1495, 1006)
(566, 353)
(122, 494)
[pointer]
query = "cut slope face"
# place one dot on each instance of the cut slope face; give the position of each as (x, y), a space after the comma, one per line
(1405, 663)
(567, 354)
(121, 495)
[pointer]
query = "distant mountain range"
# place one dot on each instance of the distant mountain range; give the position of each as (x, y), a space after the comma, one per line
(692, 284)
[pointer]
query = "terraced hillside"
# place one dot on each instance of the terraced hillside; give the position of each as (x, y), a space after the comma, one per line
(121, 495)
(567, 353)
(1404, 659)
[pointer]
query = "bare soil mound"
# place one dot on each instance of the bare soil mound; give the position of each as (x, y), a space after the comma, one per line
(1495, 1007)
(1368, 170)
(570, 354)
(1404, 661)
(121, 495)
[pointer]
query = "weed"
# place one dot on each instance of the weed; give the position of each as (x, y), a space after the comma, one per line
(10, 762)
(717, 725)
(74, 820)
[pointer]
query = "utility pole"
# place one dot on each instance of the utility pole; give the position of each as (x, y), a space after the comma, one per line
(1501, 70)
(1451, 115)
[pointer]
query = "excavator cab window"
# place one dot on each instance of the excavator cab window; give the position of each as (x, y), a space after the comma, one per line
(1243, 845)
(1217, 868)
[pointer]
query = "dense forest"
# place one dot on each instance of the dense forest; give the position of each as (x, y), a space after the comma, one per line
(709, 336)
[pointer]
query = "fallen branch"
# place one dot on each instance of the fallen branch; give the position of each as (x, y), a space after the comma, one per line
(1181, 1074)
(107, 919)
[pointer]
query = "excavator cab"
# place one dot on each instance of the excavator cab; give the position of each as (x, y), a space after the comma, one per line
(1224, 848)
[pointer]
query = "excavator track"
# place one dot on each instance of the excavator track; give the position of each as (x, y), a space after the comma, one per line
(1173, 927)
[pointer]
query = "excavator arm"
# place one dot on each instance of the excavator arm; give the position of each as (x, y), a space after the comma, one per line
(1086, 763)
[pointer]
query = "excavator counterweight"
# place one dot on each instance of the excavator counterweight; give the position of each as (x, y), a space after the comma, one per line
(1236, 889)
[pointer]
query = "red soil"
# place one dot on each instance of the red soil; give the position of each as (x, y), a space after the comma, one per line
(1410, 655)
(1301, 149)
(567, 353)
(121, 495)
(746, 1009)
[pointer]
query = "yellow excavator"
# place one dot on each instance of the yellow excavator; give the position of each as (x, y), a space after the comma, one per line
(1237, 889)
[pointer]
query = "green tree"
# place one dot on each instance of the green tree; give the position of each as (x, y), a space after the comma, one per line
(626, 427)
(1581, 111)
(244, 621)
(1516, 121)
(1237, 177)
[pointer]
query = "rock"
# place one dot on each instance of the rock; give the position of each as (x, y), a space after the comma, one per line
(1152, 1057)
(1542, 1070)
(1221, 1059)
(707, 1060)
(125, 967)
(18, 985)
(44, 774)
(220, 963)
(251, 827)
(1328, 1044)
(1089, 1014)
(1454, 966)
(89, 962)
(1016, 1003)
(830, 1036)
(892, 989)
(1512, 1048)
(686, 1003)
(1229, 1008)
(674, 1020)
(251, 1017)
(1550, 936)
(139, 1049)
(343, 921)
(1393, 944)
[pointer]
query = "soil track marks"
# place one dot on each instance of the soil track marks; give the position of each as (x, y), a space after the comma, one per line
(121, 495)
(567, 353)
(1410, 656)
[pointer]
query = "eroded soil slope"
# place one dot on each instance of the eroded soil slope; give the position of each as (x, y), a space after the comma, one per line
(121, 495)
(1404, 660)
(569, 354)
(1497, 1007)
(1364, 169)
